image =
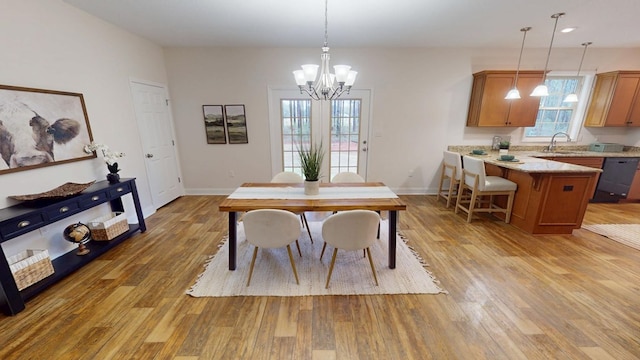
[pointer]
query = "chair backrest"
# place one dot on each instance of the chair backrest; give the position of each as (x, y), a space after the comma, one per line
(347, 177)
(351, 230)
(271, 228)
(474, 167)
(453, 162)
(287, 177)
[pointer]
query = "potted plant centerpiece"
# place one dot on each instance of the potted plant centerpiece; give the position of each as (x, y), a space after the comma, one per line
(311, 162)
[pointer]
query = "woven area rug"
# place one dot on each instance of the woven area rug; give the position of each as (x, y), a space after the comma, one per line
(272, 275)
(628, 234)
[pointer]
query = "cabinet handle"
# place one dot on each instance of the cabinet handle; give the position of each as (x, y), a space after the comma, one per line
(24, 223)
(64, 209)
(119, 189)
(95, 198)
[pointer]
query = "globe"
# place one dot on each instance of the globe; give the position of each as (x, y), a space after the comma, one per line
(80, 234)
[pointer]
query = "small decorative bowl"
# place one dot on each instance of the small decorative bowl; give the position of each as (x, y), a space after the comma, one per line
(477, 151)
(507, 157)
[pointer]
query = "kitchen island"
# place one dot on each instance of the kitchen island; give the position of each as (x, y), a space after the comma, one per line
(552, 196)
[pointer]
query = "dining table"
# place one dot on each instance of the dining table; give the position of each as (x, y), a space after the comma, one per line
(332, 197)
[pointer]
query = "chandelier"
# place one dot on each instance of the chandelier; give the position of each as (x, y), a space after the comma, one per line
(326, 86)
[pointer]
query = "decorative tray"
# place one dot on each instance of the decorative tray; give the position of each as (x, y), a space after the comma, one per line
(61, 191)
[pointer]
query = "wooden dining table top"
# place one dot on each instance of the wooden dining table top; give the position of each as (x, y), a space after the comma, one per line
(313, 203)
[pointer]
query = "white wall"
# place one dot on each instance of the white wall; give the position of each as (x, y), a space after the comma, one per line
(420, 103)
(47, 44)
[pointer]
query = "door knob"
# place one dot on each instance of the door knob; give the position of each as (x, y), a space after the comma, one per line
(149, 156)
(364, 149)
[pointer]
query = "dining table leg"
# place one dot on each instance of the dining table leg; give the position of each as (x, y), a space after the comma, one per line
(393, 216)
(233, 240)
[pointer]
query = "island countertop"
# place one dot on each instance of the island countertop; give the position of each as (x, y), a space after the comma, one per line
(530, 164)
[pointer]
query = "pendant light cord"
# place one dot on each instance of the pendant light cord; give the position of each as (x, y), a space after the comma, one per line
(524, 29)
(326, 23)
(553, 34)
(583, 53)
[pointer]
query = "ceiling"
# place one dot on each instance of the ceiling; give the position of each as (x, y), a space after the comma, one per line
(372, 23)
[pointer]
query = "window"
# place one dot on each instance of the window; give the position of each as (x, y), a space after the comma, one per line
(554, 114)
(296, 131)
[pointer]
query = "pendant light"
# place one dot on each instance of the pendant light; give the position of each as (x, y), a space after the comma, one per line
(542, 90)
(573, 97)
(514, 93)
(326, 86)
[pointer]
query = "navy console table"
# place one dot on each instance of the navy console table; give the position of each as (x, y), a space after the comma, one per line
(28, 216)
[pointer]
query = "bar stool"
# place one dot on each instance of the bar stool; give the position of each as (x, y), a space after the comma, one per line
(479, 184)
(451, 170)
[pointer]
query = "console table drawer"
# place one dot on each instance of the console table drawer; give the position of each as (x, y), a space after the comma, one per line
(119, 190)
(93, 200)
(63, 210)
(22, 224)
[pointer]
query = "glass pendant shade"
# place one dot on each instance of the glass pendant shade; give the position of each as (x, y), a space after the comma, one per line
(571, 98)
(514, 93)
(542, 90)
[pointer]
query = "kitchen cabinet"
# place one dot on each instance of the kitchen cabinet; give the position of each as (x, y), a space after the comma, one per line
(615, 100)
(488, 107)
(634, 190)
(594, 162)
(547, 202)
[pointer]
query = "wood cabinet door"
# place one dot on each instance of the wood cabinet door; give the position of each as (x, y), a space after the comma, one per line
(494, 109)
(622, 101)
(524, 111)
(488, 107)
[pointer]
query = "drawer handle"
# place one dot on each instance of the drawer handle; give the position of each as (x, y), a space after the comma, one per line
(64, 209)
(119, 189)
(24, 223)
(95, 198)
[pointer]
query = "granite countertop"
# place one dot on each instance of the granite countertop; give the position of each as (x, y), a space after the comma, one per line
(561, 151)
(531, 159)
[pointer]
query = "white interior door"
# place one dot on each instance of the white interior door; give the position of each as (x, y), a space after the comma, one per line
(341, 125)
(156, 133)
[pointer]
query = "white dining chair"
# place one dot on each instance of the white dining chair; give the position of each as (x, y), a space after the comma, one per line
(451, 172)
(475, 180)
(291, 177)
(350, 177)
(347, 177)
(351, 230)
(272, 228)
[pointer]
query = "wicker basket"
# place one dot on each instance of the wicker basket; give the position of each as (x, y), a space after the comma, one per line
(109, 226)
(30, 266)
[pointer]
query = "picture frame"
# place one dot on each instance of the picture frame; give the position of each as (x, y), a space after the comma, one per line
(236, 123)
(214, 124)
(40, 128)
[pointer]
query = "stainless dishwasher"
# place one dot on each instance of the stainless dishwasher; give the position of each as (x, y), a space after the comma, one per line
(615, 180)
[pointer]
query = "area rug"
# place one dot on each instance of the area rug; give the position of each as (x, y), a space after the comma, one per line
(628, 234)
(272, 275)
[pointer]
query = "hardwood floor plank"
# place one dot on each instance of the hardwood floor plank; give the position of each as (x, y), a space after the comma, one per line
(510, 296)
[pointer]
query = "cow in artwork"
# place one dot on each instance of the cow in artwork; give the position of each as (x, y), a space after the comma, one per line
(28, 139)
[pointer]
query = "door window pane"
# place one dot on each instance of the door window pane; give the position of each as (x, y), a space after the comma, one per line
(296, 131)
(345, 135)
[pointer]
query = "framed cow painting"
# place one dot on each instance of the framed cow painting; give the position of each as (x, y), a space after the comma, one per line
(41, 128)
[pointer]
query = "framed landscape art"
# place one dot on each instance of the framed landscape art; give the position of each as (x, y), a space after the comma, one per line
(214, 124)
(41, 128)
(236, 122)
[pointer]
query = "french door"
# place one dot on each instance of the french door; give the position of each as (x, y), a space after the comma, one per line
(342, 126)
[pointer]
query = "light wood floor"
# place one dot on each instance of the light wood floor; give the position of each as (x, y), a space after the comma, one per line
(511, 296)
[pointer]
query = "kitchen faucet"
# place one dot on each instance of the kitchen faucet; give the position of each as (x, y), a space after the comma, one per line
(552, 145)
